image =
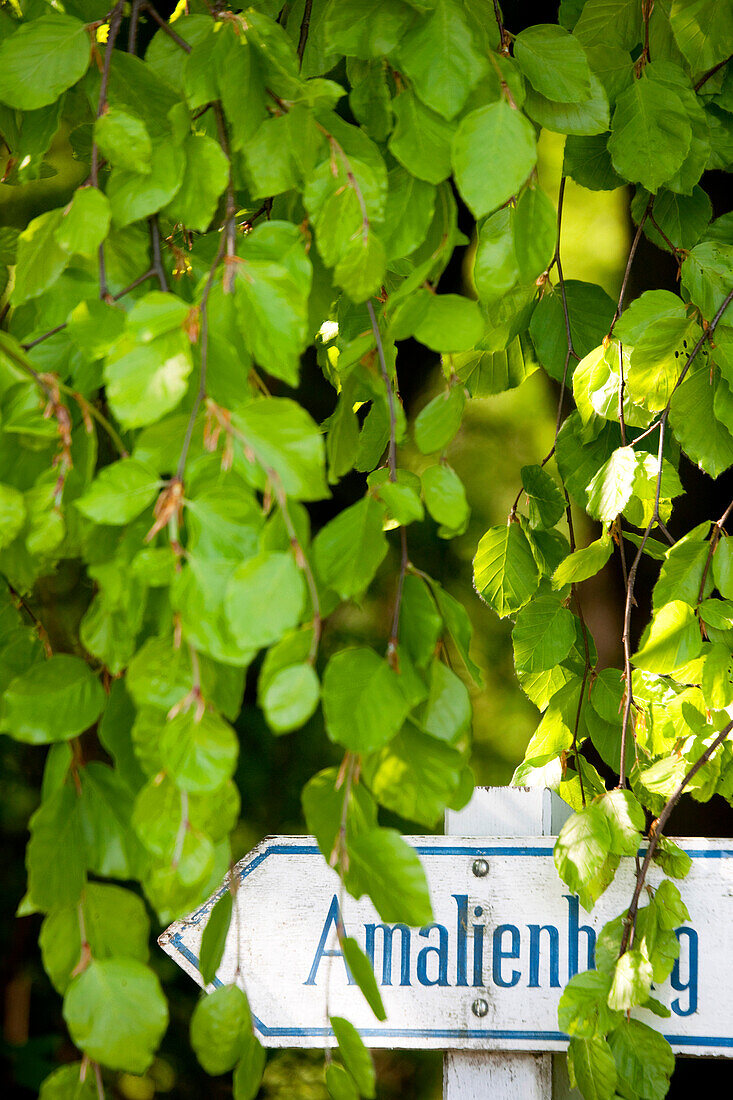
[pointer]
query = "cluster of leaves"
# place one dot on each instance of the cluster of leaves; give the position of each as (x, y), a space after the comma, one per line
(255, 186)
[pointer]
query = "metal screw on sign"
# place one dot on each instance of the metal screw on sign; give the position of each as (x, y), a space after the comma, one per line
(480, 868)
(480, 1007)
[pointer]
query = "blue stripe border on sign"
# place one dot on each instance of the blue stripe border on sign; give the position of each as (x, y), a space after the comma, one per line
(434, 1033)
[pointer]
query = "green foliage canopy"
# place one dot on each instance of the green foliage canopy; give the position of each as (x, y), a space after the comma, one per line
(256, 186)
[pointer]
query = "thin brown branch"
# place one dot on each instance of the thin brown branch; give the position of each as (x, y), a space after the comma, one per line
(230, 225)
(621, 388)
(134, 21)
(304, 28)
(115, 21)
(657, 831)
(157, 260)
(570, 352)
(201, 393)
(392, 453)
(115, 298)
(504, 39)
(672, 247)
(626, 637)
(586, 648)
(629, 262)
(167, 29)
(711, 72)
(714, 539)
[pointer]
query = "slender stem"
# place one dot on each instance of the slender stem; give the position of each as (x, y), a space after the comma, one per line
(304, 28)
(672, 247)
(201, 393)
(115, 298)
(503, 38)
(157, 262)
(134, 20)
(586, 648)
(626, 637)
(392, 453)
(167, 29)
(714, 539)
(570, 352)
(711, 72)
(658, 829)
(621, 388)
(629, 262)
(301, 560)
(115, 21)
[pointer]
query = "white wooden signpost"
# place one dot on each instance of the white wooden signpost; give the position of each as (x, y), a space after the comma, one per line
(483, 980)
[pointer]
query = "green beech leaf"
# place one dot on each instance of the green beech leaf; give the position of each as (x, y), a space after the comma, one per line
(494, 151)
(214, 937)
(40, 258)
(85, 222)
(249, 1069)
(583, 1009)
(554, 62)
(55, 856)
(361, 970)
(544, 634)
(348, 551)
(115, 923)
(198, 752)
(12, 514)
(445, 498)
(340, 1084)
(53, 701)
(65, 1083)
(364, 704)
(583, 854)
(124, 140)
(291, 697)
(644, 1059)
(703, 31)
(651, 133)
(119, 493)
(285, 439)
(42, 59)
(593, 1068)
(504, 570)
(356, 1057)
(205, 177)
(611, 488)
(585, 563)
(440, 57)
(672, 639)
(391, 873)
(219, 1024)
(544, 498)
(421, 140)
(265, 599)
(116, 1013)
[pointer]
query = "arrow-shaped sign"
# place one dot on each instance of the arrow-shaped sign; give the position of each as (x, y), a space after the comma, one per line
(487, 974)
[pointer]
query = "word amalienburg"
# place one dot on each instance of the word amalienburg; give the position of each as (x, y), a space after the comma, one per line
(508, 955)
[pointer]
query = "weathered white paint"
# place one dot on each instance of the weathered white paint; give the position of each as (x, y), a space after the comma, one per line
(474, 1075)
(471, 1075)
(286, 891)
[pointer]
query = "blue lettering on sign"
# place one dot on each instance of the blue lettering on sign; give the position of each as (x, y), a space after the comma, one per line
(528, 952)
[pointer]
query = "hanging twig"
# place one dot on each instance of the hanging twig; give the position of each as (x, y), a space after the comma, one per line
(304, 28)
(657, 830)
(201, 392)
(115, 21)
(167, 29)
(157, 261)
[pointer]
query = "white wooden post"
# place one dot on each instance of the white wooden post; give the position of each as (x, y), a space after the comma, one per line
(478, 1075)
